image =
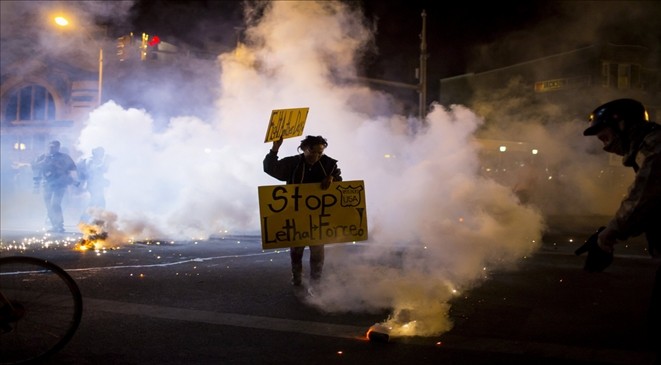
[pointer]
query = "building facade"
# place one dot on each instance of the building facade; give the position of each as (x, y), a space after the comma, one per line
(527, 108)
(576, 81)
(49, 95)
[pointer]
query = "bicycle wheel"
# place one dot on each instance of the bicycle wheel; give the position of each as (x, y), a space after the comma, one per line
(40, 309)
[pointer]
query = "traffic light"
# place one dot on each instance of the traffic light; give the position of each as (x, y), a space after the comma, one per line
(153, 41)
(124, 45)
(127, 46)
(148, 42)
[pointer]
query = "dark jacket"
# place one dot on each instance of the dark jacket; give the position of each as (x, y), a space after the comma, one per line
(640, 211)
(293, 169)
(55, 169)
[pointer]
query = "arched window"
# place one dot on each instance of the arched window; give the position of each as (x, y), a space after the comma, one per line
(32, 103)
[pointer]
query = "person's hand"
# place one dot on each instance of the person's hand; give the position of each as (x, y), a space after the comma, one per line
(607, 239)
(326, 182)
(276, 145)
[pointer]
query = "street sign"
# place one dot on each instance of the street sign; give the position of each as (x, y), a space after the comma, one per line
(550, 85)
(561, 84)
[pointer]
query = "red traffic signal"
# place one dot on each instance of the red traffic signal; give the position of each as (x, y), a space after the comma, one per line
(154, 40)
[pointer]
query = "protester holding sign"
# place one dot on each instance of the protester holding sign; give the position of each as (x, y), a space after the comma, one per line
(311, 166)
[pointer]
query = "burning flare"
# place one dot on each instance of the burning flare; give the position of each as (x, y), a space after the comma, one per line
(94, 236)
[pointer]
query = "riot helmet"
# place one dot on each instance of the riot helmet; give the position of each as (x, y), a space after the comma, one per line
(611, 114)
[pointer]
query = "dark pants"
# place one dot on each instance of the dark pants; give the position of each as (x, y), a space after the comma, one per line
(316, 262)
(53, 195)
(654, 243)
(655, 316)
(97, 200)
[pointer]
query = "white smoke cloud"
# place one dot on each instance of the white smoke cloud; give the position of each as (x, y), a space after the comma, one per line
(435, 223)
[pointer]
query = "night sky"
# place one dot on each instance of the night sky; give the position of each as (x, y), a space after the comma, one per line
(462, 36)
(452, 28)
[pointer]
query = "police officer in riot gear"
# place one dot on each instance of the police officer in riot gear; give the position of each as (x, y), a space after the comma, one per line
(624, 128)
(56, 170)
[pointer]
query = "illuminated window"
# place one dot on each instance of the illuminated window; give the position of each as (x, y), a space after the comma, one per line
(32, 103)
(621, 76)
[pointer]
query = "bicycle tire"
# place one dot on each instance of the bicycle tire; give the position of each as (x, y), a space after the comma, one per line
(52, 305)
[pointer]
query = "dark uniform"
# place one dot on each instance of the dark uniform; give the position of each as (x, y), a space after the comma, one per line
(638, 141)
(54, 169)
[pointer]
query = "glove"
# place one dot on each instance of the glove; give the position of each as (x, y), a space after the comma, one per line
(598, 259)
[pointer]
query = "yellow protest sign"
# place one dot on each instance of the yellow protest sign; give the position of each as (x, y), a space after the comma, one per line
(286, 123)
(306, 215)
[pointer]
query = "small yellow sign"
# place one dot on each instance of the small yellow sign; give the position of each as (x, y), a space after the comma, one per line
(550, 85)
(306, 215)
(286, 123)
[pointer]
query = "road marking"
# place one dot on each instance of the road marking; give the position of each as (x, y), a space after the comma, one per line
(226, 319)
(164, 264)
(450, 341)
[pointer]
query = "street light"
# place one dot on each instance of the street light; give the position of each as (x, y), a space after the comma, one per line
(61, 21)
(64, 22)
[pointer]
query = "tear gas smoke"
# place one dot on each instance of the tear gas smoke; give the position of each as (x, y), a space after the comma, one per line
(437, 226)
(435, 223)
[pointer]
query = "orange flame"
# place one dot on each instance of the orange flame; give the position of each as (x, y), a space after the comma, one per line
(93, 237)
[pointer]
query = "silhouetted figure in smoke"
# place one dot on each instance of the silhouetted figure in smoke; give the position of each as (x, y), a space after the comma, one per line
(57, 171)
(311, 166)
(91, 172)
(622, 126)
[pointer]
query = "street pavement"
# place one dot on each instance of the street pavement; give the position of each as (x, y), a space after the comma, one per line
(224, 300)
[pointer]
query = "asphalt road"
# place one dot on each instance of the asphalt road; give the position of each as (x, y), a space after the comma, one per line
(225, 301)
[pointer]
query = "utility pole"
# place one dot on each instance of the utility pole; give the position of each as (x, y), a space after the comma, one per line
(421, 74)
(100, 87)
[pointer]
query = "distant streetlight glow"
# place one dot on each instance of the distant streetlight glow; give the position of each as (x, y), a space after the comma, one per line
(61, 21)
